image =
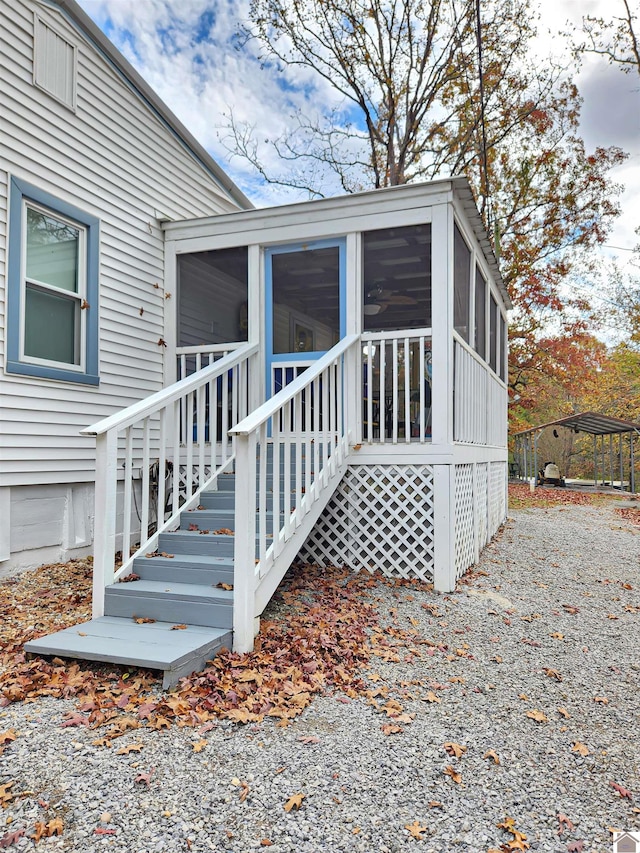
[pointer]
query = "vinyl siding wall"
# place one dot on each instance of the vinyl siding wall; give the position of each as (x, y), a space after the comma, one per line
(115, 159)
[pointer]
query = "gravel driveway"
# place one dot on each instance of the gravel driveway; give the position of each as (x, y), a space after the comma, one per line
(510, 723)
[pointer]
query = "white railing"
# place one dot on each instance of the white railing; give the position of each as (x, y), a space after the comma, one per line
(290, 454)
(479, 399)
(396, 377)
(192, 359)
(165, 450)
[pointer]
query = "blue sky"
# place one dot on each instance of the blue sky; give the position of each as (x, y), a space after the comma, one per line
(188, 51)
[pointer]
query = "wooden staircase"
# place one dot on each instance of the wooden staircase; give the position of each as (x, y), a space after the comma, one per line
(179, 612)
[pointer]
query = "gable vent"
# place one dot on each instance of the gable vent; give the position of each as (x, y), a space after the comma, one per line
(54, 65)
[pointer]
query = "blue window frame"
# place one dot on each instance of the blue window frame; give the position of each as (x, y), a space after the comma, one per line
(53, 276)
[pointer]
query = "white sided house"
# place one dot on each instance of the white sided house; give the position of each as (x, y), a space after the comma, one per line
(90, 163)
(321, 381)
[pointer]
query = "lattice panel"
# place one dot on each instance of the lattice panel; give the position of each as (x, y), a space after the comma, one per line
(482, 504)
(381, 517)
(497, 493)
(464, 528)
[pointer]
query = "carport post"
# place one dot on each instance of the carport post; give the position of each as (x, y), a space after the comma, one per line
(595, 462)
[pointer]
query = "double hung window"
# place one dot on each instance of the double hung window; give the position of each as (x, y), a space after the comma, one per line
(53, 288)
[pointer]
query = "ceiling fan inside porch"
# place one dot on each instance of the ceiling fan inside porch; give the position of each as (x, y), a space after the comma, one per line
(377, 299)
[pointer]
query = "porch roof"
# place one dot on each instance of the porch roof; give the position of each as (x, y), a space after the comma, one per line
(593, 423)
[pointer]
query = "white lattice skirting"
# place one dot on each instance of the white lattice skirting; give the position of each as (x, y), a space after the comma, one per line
(480, 509)
(381, 517)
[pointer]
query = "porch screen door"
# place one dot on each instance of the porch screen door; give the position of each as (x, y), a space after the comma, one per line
(305, 299)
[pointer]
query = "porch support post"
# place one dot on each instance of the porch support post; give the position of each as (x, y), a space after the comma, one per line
(104, 545)
(353, 387)
(444, 532)
(442, 325)
(256, 367)
(244, 581)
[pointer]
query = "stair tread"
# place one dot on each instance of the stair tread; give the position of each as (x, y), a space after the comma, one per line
(195, 560)
(177, 590)
(123, 641)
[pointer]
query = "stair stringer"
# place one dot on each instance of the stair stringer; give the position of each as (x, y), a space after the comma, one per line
(267, 585)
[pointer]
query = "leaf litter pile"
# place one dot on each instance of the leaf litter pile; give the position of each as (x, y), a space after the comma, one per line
(321, 635)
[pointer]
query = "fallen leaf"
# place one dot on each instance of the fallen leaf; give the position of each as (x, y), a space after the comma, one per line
(5, 796)
(491, 754)
(575, 847)
(266, 843)
(622, 791)
(145, 777)
(199, 745)
(12, 837)
(552, 673)
(55, 826)
(178, 627)
(7, 737)
(101, 830)
(449, 771)
(391, 729)
(538, 716)
(564, 823)
(294, 802)
(431, 697)
(309, 739)
(39, 831)
(143, 620)
(454, 749)
(415, 830)
(580, 747)
(131, 747)
(601, 699)
(224, 585)
(434, 804)
(564, 712)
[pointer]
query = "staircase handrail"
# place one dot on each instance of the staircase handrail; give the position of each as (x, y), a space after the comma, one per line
(262, 414)
(152, 404)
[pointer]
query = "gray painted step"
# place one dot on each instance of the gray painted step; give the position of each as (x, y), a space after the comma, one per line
(151, 646)
(185, 568)
(183, 542)
(170, 601)
(214, 519)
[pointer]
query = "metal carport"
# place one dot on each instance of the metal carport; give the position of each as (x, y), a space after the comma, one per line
(595, 424)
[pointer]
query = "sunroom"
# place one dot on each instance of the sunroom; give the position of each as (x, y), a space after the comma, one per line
(335, 376)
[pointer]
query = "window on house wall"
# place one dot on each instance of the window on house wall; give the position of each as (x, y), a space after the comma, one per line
(397, 278)
(503, 349)
(52, 288)
(493, 333)
(213, 297)
(480, 336)
(461, 284)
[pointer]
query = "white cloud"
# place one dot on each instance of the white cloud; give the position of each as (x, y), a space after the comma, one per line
(184, 49)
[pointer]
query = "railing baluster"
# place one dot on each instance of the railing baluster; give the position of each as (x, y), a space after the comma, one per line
(298, 453)
(225, 416)
(382, 417)
(144, 499)
(340, 425)
(189, 444)
(162, 469)
(175, 474)
(263, 449)
(201, 433)
(395, 390)
(407, 395)
(106, 507)
(128, 486)
(369, 393)
(422, 425)
(276, 438)
(287, 471)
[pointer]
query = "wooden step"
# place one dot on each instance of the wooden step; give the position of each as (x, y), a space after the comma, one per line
(169, 601)
(186, 568)
(183, 542)
(150, 646)
(215, 519)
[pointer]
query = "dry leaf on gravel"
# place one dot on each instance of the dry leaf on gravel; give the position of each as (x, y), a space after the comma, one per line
(294, 802)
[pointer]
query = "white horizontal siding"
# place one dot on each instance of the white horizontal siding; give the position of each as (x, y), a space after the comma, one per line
(115, 159)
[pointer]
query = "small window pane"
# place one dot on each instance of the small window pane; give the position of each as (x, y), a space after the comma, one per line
(52, 251)
(503, 349)
(50, 326)
(480, 311)
(397, 278)
(461, 284)
(493, 334)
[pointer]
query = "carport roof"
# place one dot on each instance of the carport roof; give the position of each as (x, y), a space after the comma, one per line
(591, 422)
